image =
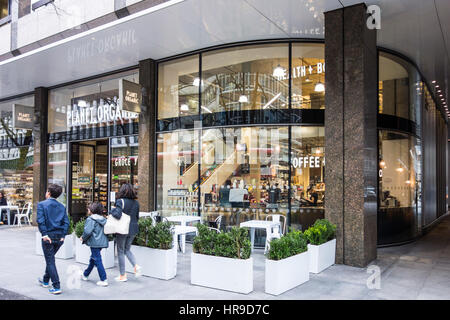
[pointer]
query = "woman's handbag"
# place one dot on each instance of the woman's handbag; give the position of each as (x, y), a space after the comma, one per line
(120, 226)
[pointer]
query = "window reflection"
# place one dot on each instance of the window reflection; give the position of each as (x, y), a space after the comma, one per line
(400, 88)
(57, 168)
(246, 78)
(308, 76)
(400, 178)
(178, 87)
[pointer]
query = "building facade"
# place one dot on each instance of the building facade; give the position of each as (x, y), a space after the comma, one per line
(330, 126)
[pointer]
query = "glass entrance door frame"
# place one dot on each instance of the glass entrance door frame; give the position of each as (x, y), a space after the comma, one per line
(70, 175)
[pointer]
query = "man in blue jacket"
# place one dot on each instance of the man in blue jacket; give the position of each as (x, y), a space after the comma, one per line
(53, 224)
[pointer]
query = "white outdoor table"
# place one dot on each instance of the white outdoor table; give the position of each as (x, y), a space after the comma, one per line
(8, 211)
(259, 224)
(145, 214)
(182, 230)
(183, 221)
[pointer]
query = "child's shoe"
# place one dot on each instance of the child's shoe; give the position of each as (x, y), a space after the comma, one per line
(102, 283)
(121, 278)
(137, 271)
(84, 278)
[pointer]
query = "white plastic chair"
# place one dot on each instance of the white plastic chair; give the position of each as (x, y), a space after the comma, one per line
(277, 218)
(274, 232)
(214, 229)
(23, 215)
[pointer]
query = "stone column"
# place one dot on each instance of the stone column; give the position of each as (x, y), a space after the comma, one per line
(351, 133)
(147, 136)
(39, 147)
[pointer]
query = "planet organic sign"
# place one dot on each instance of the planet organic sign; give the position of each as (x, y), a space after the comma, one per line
(23, 117)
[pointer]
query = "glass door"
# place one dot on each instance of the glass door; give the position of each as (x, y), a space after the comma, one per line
(124, 163)
(82, 179)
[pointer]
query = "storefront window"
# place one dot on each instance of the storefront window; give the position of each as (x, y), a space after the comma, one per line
(4, 8)
(308, 76)
(124, 162)
(57, 168)
(400, 88)
(177, 178)
(90, 110)
(308, 175)
(16, 175)
(244, 173)
(400, 186)
(178, 87)
(16, 152)
(246, 78)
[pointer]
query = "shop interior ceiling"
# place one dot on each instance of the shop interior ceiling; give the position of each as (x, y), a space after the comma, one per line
(416, 28)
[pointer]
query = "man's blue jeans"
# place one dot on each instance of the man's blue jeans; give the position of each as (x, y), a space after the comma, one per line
(50, 249)
(96, 260)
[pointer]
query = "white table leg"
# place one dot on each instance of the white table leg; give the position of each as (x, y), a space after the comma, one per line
(252, 236)
(183, 239)
(8, 212)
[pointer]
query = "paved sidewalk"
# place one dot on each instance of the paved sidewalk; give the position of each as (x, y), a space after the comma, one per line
(419, 270)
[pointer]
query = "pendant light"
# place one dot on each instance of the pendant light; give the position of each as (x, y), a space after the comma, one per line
(243, 98)
(320, 87)
(279, 72)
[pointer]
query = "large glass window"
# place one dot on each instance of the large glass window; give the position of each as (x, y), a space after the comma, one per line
(400, 186)
(57, 168)
(308, 175)
(177, 178)
(16, 175)
(400, 88)
(244, 173)
(90, 110)
(4, 8)
(178, 87)
(246, 78)
(16, 155)
(308, 76)
(124, 162)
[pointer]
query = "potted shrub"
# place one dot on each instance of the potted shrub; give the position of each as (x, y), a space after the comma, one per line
(222, 260)
(67, 249)
(83, 252)
(322, 245)
(154, 250)
(287, 263)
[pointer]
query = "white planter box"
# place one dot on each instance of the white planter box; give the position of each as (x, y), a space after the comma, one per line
(67, 250)
(286, 274)
(156, 263)
(83, 254)
(222, 273)
(322, 257)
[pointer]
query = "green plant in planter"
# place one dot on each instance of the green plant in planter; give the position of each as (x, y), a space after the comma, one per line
(159, 236)
(71, 226)
(321, 232)
(234, 244)
(79, 228)
(293, 243)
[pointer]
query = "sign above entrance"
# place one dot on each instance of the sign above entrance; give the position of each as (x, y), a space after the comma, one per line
(23, 117)
(103, 113)
(130, 97)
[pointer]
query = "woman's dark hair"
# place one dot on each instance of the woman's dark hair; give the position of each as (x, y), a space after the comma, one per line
(2, 193)
(96, 208)
(127, 192)
(55, 190)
